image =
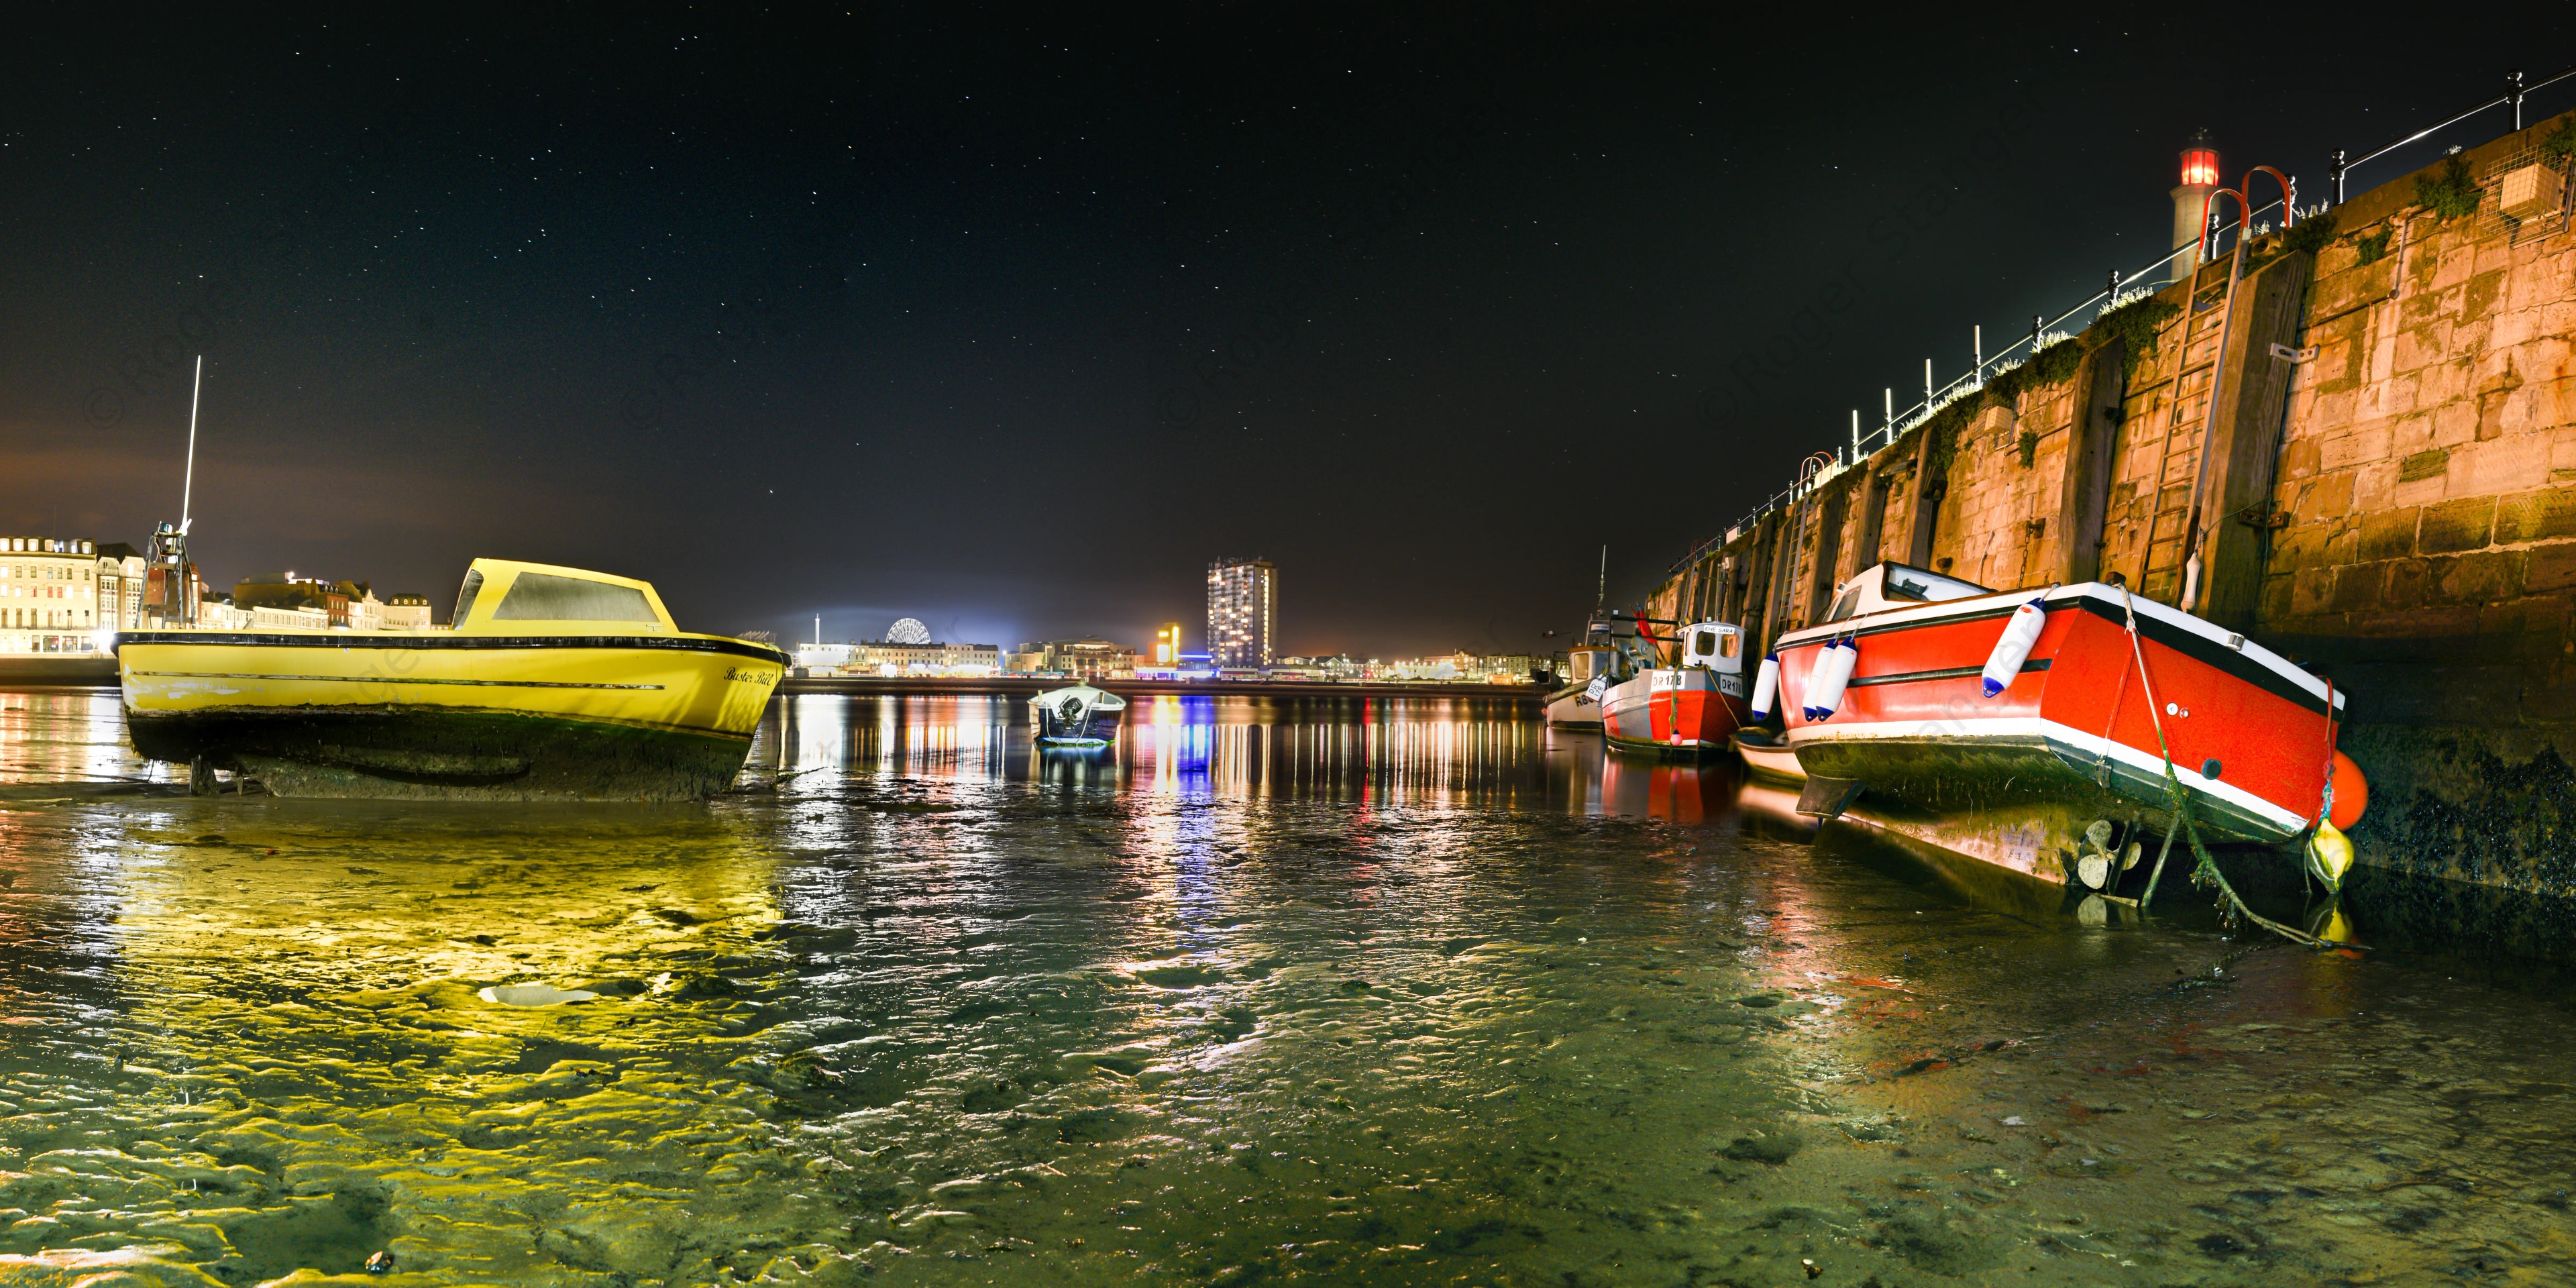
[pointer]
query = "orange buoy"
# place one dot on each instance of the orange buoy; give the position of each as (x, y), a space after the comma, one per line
(2351, 792)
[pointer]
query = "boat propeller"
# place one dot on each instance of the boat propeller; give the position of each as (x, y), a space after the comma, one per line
(2095, 860)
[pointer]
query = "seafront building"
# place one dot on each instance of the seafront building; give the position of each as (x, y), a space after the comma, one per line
(215, 612)
(407, 613)
(1088, 658)
(906, 650)
(57, 594)
(64, 595)
(120, 586)
(284, 599)
(1242, 612)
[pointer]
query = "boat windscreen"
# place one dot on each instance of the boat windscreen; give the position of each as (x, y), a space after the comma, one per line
(544, 597)
(465, 596)
(1907, 582)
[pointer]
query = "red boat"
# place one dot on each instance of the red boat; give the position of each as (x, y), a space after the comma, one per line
(1693, 708)
(2073, 724)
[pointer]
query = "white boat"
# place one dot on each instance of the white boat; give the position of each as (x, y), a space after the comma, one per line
(1077, 716)
(1578, 704)
(1769, 755)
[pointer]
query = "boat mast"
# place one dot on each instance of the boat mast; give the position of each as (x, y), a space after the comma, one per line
(1601, 592)
(188, 488)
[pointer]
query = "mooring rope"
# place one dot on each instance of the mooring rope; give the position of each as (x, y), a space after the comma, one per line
(2205, 869)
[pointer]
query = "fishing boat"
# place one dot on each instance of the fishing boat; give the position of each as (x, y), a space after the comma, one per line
(1692, 707)
(2068, 703)
(1768, 755)
(550, 684)
(1591, 666)
(1077, 716)
(1578, 704)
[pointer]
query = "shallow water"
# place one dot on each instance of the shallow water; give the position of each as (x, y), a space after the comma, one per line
(1411, 992)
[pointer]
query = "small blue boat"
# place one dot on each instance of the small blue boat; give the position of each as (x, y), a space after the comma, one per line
(1077, 716)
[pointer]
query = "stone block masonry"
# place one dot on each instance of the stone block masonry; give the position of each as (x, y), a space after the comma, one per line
(2390, 497)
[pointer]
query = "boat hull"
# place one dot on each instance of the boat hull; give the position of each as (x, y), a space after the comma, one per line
(1077, 717)
(1569, 708)
(1096, 729)
(1687, 711)
(439, 716)
(2250, 733)
(1769, 757)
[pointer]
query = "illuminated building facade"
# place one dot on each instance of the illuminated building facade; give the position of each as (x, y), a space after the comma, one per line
(1167, 645)
(891, 657)
(120, 586)
(1089, 658)
(407, 613)
(56, 594)
(1242, 613)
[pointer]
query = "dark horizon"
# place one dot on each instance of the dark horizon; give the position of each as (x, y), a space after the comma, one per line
(1011, 321)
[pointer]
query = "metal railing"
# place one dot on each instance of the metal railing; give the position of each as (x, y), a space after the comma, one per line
(2515, 92)
(1895, 424)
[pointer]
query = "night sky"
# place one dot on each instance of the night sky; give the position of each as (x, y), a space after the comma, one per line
(1011, 321)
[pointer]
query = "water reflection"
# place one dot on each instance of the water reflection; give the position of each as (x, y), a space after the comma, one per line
(1437, 752)
(65, 735)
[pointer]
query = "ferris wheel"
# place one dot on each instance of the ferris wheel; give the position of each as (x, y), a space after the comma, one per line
(907, 630)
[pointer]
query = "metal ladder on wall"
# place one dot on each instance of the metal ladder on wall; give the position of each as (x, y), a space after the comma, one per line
(2176, 428)
(2223, 301)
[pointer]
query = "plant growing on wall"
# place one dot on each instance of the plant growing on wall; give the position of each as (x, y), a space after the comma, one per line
(1944, 428)
(2056, 364)
(2560, 144)
(2310, 234)
(2372, 247)
(2029, 445)
(2136, 323)
(2009, 382)
(2451, 193)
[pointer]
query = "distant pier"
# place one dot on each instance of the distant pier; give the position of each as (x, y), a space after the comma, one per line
(1034, 684)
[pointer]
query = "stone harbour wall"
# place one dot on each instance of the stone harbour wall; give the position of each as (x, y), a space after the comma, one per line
(2390, 495)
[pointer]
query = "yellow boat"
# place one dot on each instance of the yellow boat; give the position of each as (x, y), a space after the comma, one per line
(552, 684)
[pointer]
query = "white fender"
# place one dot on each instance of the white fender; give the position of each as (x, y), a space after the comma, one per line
(1834, 672)
(1816, 676)
(1766, 688)
(2014, 647)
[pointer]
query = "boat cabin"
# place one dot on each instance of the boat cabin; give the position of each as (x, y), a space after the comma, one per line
(1585, 661)
(506, 597)
(1718, 646)
(1881, 587)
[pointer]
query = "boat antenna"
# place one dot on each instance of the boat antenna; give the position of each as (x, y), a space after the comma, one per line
(1600, 593)
(188, 489)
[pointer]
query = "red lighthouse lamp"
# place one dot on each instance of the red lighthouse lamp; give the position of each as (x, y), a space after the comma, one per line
(2200, 167)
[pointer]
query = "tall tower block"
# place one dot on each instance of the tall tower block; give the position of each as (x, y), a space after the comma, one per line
(1243, 611)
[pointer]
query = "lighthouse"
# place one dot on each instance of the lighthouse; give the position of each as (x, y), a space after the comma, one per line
(2199, 179)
